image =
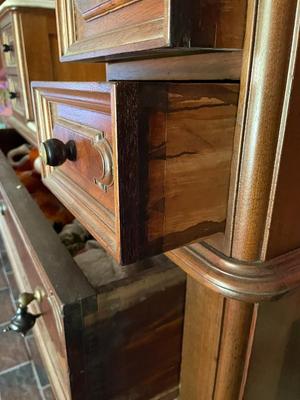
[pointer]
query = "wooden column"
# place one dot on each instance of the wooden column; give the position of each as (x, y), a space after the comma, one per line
(230, 339)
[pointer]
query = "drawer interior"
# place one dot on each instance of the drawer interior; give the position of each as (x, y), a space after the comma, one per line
(119, 306)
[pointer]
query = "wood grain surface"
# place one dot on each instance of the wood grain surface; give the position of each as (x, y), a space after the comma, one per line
(170, 142)
(97, 30)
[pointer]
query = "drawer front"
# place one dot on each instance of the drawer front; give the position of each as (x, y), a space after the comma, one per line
(37, 258)
(8, 47)
(16, 94)
(48, 329)
(153, 160)
(99, 28)
(15, 61)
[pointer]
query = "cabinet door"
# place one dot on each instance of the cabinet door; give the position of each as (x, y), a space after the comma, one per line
(95, 29)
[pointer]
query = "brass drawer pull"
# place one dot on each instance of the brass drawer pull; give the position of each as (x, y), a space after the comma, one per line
(23, 320)
(54, 152)
(3, 207)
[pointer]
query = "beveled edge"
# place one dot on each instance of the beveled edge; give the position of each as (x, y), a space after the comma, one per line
(253, 282)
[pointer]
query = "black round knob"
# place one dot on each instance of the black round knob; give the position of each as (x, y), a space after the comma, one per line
(54, 152)
(7, 48)
(13, 95)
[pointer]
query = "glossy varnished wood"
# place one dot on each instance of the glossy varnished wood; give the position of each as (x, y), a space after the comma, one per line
(265, 149)
(172, 146)
(207, 65)
(33, 36)
(202, 329)
(95, 30)
(95, 334)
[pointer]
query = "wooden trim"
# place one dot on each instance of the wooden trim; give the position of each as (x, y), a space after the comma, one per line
(274, 31)
(96, 9)
(245, 80)
(247, 281)
(204, 66)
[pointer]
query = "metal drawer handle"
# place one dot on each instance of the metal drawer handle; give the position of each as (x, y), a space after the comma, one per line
(3, 207)
(7, 48)
(54, 152)
(12, 95)
(23, 320)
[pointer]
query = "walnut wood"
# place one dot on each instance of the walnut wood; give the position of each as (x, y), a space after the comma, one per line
(282, 230)
(247, 281)
(97, 340)
(262, 126)
(234, 340)
(248, 351)
(273, 371)
(204, 66)
(32, 32)
(202, 328)
(93, 30)
(169, 143)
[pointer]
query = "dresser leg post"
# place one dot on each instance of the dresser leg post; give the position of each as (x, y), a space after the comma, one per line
(216, 343)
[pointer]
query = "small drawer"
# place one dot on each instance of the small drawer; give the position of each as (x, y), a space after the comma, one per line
(15, 94)
(96, 29)
(8, 47)
(144, 166)
(92, 343)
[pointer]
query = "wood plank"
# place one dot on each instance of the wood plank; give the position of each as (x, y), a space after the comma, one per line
(204, 66)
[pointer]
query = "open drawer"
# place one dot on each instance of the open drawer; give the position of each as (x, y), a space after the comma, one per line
(95, 29)
(144, 166)
(99, 338)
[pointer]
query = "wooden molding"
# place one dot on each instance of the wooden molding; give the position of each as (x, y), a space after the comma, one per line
(259, 121)
(207, 65)
(252, 282)
(95, 9)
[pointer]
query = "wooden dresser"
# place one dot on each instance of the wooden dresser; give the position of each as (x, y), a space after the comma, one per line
(28, 37)
(190, 148)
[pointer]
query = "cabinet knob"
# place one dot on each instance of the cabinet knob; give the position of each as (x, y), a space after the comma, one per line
(7, 48)
(12, 95)
(23, 320)
(54, 152)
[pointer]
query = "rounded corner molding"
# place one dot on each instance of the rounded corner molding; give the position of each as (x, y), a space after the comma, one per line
(252, 282)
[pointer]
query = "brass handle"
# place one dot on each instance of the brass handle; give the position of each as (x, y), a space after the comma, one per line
(3, 207)
(23, 320)
(54, 152)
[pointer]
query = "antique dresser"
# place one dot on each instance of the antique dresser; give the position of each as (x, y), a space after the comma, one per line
(189, 148)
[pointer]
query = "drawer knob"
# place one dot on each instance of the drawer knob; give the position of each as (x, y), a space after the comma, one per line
(23, 320)
(12, 95)
(7, 48)
(54, 152)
